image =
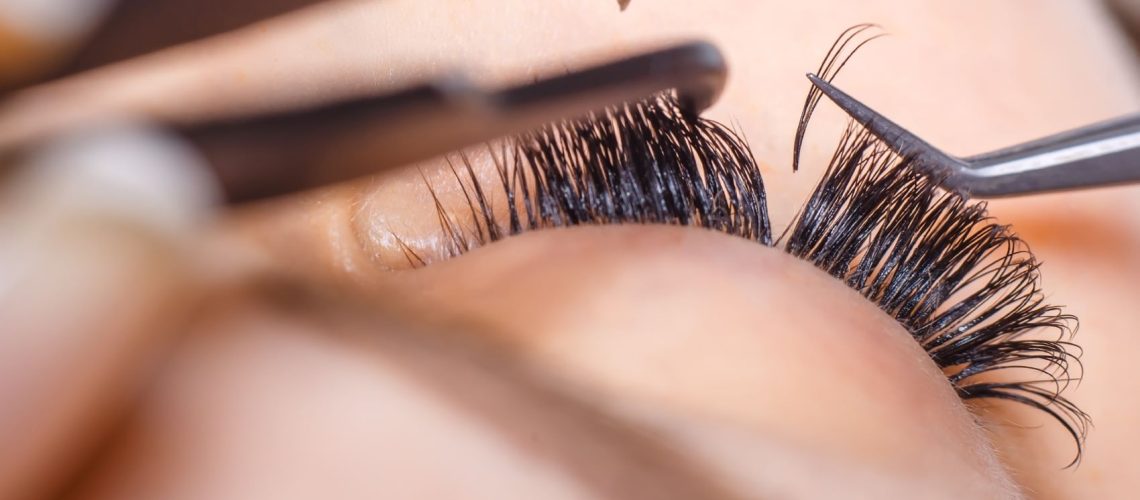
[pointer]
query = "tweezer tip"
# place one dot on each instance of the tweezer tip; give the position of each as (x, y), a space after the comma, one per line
(895, 137)
(706, 68)
(859, 111)
(924, 157)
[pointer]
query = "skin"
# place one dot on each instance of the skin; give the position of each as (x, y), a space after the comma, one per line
(731, 363)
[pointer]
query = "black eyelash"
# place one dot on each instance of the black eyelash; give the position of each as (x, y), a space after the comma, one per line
(643, 163)
(966, 288)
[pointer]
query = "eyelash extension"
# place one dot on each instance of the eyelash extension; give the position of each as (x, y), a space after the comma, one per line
(966, 288)
(642, 163)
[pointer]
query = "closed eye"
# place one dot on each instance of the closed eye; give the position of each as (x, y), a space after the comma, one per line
(966, 288)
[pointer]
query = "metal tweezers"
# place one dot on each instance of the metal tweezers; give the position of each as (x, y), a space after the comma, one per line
(1102, 154)
(278, 153)
(269, 155)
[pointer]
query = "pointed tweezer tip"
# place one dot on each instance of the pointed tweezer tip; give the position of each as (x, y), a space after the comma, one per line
(895, 137)
(945, 169)
(859, 111)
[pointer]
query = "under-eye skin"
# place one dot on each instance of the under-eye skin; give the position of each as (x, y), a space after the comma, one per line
(964, 286)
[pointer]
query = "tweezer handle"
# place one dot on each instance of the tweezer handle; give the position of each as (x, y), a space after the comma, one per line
(1102, 154)
(280, 153)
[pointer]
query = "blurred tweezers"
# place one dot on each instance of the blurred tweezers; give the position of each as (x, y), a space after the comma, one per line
(268, 155)
(1102, 154)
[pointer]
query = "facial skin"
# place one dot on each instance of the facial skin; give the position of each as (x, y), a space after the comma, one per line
(892, 427)
(732, 362)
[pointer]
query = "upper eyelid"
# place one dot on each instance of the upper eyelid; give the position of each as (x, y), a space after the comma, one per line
(967, 298)
(567, 190)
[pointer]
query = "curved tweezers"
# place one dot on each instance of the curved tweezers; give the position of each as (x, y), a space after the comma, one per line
(268, 155)
(1101, 154)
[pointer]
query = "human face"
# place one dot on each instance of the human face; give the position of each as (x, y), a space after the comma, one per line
(732, 348)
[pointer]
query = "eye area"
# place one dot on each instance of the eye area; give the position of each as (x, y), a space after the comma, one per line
(637, 164)
(1087, 241)
(966, 288)
(716, 328)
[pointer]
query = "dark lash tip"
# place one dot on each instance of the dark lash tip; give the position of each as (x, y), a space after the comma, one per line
(690, 109)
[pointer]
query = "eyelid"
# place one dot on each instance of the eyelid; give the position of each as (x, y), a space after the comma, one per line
(733, 334)
(966, 288)
(919, 253)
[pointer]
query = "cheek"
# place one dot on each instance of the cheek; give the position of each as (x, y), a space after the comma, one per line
(258, 403)
(716, 327)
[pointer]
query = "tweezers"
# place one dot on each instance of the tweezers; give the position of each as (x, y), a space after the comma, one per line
(278, 153)
(269, 155)
(1102, 154)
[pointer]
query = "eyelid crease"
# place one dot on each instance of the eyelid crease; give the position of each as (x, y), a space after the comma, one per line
(966, 288)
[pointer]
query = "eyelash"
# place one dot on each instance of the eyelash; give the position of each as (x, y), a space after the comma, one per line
(966, 288)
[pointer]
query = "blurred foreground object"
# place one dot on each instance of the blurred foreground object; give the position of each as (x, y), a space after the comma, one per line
(45, 39)
(37, 35)
(1128, 14)
(138, 27)
(94, 280)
